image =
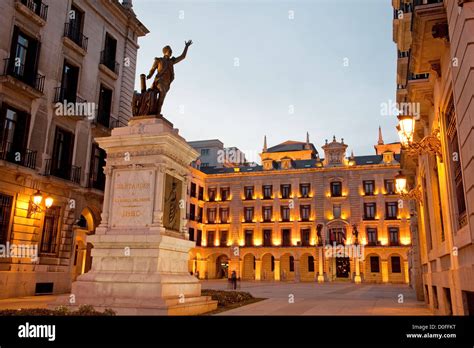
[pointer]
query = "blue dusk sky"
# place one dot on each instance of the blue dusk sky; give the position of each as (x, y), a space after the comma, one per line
(275, 68)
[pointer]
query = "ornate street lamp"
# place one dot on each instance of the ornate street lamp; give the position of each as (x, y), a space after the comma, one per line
(406, 131)
(402, 189)
(35, 203)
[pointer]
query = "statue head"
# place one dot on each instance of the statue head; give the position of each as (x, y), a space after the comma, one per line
(167, 51)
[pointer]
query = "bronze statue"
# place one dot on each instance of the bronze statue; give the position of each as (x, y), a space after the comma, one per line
(150, 102)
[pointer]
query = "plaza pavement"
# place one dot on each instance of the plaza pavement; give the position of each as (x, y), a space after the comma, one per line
(325, 299)
(308, 299)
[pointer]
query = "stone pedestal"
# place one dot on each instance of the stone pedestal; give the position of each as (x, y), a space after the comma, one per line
(140, 249)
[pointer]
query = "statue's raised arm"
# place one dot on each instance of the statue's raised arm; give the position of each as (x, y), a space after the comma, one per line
(185, 51)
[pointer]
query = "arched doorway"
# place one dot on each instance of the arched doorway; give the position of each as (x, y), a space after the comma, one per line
(287, 265)
(222, 267)
(248, 268)
(268, 267)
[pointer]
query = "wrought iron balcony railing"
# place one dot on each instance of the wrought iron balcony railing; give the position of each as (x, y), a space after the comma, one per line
(74, 33)
(23, 157)
(17, 70)
(62, 95)
(38, 7)
(109, 62)
(67, 172)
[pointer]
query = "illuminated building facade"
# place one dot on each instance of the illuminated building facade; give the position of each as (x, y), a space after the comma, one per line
(67, 76)
(435, 74)
(275, 221)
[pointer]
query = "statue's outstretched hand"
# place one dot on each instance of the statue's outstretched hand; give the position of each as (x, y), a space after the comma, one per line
(188, 43)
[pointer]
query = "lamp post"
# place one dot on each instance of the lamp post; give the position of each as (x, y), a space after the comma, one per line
(35, 206)
(429, 144)
(402, 189)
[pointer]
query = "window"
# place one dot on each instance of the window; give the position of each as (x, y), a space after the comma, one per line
(191, 234)
(285, 213)
(192, 212)
(6, 203)
(374, 264)
(336, 211)
(304, 190)
(310, 264)
(37, 7)
(267, 191)
(204, 152)
(193, 190)
(14, 126)
(285, 191)
(224, 215)
(97, 175)
(105, 106)
(391, 210)
(69, 82)
(305, 211)
(336, 189)
(389, 186)
(248, 191)
(23, 61)
(49, 238)
(248, 238)
(199, 238)
(267, 213)
(292, 264)
(337, 235)
(211, 215)
(393, 233)
(396, 266)
(210, 238)
(286, 236)
(370, 211)
(61, 159)
(201, 193)
(223, 238)
(248, 214)
(225, 193)
(267, 237)
(305, 237)
(199, 214)
(272, 264)
(371, 236)
(108, 54)
(211, 193)
(435, 297)
(75, 26)
(455, 164)
(369, 186)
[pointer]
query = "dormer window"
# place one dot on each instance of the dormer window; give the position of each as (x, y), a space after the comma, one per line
(388, 157)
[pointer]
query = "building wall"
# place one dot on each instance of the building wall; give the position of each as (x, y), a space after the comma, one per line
(19, 277)
(241, 256)
(445, 234)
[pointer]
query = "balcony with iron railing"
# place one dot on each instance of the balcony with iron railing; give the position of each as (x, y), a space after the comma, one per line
(23, 157)
(37, 7)
(109, 62)
(74, 33)
(97, 181)
(62, 94)
(426, 2)
(66, 172)
(18, 71)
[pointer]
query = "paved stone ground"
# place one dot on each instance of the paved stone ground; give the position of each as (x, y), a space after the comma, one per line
(325, 299)
(309, 299)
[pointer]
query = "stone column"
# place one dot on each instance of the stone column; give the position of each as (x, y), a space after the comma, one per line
(321, 266)
(357, 278)
(297, 271)
(104, 222)
(406, 269)
(258, 269)
(276, 271)
(385, 271)
(315, 266)
(241, 268)
(160, 187)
